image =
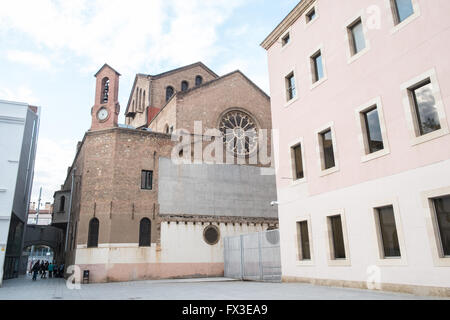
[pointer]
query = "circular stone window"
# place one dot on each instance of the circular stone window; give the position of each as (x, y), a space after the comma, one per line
(273, 236)
(211, 235)
(240, 133)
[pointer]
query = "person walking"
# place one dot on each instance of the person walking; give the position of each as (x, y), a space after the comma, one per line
(43, 271)
(61, 270)
(50, 269)
(36, 269)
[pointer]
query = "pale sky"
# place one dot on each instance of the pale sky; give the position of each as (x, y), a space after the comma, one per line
(51, 49)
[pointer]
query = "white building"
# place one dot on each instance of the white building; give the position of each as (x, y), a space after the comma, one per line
(19, 127)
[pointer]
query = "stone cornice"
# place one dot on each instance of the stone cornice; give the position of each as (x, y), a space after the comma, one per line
(290, 19)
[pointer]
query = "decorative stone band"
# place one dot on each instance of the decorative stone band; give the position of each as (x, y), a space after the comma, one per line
(218, 219)
(393, 287)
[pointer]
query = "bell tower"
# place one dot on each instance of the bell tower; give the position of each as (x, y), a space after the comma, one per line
(105, 112)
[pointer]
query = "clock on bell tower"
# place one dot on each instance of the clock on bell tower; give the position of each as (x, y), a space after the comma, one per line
(105, 112)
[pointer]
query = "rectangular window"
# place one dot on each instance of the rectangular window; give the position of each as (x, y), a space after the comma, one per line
(388, 231)
(298, 162)
(147, 180)
(403, 9)
(373, 130)
(290, 87)
(356, 36)
(305, 248)
(337, 237)
(286, 39)
(317, 66)
(327, 149)
(311, 15)
(442, 209)
(425, 108)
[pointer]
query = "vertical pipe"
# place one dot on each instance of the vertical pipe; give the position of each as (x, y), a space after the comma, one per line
(70, 208)
(261, 271)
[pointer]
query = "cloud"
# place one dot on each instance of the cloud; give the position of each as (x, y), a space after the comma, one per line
(126, 34)
(29, 58)
(52, 160)
(22, 94)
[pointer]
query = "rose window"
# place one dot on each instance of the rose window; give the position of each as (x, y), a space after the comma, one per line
(240, 133)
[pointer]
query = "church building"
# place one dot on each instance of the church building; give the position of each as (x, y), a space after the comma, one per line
(138, 205)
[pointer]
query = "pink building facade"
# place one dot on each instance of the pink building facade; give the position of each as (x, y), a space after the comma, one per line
(361, 98)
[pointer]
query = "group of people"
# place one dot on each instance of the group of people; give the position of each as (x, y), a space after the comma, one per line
(41, 268)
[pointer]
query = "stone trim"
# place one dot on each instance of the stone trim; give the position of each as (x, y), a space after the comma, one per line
(216, 219)
(288, 21)
(391, 287)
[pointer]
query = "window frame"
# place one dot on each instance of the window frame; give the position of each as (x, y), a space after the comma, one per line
(308, 11)
(308, 15)
(381, 260)
(312, 66)
(173, 93)
(286, 39)
(352, 56)
(198, 80)
(144, 181)
(294, 144)
(283, 45)
(396, 24)
(410, 108)
(362, 134)
(323, 171)
(186, 84)
(299, 248)
(332, 261)
(290, 91)
(432, 226)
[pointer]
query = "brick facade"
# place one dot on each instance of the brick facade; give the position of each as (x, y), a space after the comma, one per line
(107, 185)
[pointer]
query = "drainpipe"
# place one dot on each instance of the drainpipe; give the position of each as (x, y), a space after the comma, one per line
(70, 208)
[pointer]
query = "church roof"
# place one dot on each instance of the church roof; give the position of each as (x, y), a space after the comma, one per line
(167, 73)
(104, 66)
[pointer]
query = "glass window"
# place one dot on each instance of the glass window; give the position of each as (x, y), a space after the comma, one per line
(62, 204)
(442, 207)
(290, 87)
(147, 180)
(198, 80)
(184, 86)
(357, 37)
(373, 130)
(337, 237)
(169, 93)
(310, 15)
(317, 66)
(388, 230)
(298, 162)
(425, 106)
(305, 253)
(286, 39)
(403, 9)
(328, 151)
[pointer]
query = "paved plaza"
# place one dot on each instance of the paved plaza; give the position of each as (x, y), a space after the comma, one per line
(198, 289)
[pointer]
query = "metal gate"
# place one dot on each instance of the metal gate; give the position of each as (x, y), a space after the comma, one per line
(254, 257)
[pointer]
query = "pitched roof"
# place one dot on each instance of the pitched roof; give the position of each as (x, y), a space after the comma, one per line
(206, 84)
(221, 78)
(104, 66)
(167, 73)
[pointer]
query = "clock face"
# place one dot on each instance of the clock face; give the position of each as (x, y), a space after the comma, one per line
(102, 114)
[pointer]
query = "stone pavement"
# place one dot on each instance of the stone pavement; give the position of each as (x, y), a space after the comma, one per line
(192, 289)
